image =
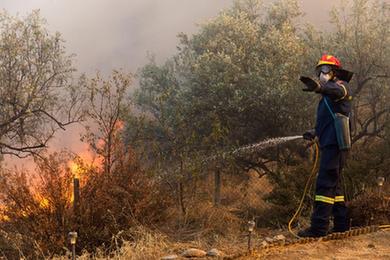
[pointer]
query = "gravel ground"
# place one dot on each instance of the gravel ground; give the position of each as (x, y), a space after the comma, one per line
(370, 246)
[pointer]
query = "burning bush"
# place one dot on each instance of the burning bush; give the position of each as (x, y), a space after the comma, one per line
(36, 209)
(116, 201)
(37, 212)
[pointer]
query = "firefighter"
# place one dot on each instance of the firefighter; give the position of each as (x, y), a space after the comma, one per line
(329, 198)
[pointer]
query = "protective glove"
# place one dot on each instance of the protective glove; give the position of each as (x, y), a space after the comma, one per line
(309, 135)
(311, 84)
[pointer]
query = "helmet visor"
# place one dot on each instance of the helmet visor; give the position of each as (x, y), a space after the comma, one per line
(326, 69)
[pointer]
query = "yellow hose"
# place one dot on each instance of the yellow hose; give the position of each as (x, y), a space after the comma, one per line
(307, 185)
(313, 172)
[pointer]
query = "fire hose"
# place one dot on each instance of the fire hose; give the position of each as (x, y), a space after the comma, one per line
(306, 189)
(299, 240)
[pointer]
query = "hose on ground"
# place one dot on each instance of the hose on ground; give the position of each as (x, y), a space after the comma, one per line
(307, 185)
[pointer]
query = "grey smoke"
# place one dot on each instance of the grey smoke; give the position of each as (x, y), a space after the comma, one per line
(109, 34)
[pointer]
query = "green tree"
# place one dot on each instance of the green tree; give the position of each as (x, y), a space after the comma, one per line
(107, 105)
(37, 97)
(232, 83)
(159, 131)
(241, 77)
(360, 37)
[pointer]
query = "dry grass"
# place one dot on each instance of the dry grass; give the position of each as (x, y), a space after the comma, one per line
(148, 244)
(145, 245)
(370, 208)
(213, 220)
(153, 245)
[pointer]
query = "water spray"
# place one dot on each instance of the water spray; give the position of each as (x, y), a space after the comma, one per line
(264, 144)
(256, 147)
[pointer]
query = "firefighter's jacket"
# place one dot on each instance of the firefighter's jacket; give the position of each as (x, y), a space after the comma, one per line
(339, 98)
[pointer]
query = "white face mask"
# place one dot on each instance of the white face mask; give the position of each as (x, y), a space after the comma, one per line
(325, 77)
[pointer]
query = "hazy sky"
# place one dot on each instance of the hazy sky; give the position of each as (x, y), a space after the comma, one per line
(109, 34)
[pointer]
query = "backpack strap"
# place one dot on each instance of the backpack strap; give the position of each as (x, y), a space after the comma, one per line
(327, 105)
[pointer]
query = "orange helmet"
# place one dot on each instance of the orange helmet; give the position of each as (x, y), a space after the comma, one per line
(329, 60)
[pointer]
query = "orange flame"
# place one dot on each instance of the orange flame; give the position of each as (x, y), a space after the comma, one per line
(3, 216)
(85, 159)
(75, 169)
(119, 125)
(44, 203)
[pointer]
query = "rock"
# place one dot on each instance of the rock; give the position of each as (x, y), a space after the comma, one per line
(279, 238)
(169, 257)
(269, 240)
(214, 252)
(371, 246)
(264, 243)
(193, 252)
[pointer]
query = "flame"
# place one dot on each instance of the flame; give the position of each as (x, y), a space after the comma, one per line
(100, 144)
(75, 169)
(85, 154)
(119, 125)
(3, 216)
(85, 159)
(44, 203)
(71, 197)
(78, 165)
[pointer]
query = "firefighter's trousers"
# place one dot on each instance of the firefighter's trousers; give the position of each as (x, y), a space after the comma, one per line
(329, 195)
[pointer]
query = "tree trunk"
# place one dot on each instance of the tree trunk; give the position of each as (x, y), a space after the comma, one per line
(181, 192)
(108, 154)
(217, 188)
(277, 158)
(76, 203)
(181, 198)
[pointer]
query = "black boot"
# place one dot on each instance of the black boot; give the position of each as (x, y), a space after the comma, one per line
(335, 230)
(320, 218)
(309, 232)
(340, 221)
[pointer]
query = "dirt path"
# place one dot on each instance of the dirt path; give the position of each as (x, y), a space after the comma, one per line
(370, 246)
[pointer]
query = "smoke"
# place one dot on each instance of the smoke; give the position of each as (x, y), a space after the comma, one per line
(117, 34)
(110, 34)
(107, 35)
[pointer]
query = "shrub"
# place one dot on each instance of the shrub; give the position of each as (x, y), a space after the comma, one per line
(38, 213)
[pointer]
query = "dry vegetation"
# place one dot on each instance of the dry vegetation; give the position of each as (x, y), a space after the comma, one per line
(130, 215)
(370, 208)
(165, 178)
